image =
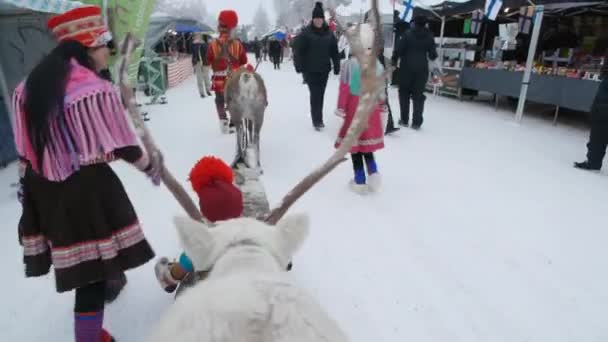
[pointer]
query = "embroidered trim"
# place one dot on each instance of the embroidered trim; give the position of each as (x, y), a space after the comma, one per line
(65, 257)
(106, 158)
(369, 142)
(34, 245)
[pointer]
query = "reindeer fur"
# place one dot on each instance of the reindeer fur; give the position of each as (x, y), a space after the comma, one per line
(246, 100)
(247, 296)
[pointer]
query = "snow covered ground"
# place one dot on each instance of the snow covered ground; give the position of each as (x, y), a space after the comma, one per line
(483, 232)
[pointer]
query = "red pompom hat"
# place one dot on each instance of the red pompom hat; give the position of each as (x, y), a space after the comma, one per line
(228, 18)
(219, 199)
(83, 24)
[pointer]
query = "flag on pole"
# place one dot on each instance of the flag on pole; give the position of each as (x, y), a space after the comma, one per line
(467, 26)
(476, 21)
(526, 15)
(493, 8)
(408, 11)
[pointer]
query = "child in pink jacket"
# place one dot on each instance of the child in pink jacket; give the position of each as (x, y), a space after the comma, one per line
(371, 140)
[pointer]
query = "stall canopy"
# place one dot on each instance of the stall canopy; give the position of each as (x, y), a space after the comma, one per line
(46, 6)
(451, 9)
(160, 24)
(273, 33)
(184, 28)
(25, 39)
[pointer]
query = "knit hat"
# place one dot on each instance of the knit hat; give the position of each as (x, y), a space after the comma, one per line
(83, 24)
(228, 18)
(318, 11)
(219, 199)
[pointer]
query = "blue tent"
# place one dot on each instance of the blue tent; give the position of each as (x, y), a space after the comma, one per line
(280, 35)
(185, 28)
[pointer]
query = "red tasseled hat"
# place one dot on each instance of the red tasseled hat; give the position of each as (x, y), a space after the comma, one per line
(83, 24)
(228, 18)
(219, 199)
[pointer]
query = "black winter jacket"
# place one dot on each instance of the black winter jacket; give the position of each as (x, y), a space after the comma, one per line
(199, 53)
(274, 48)
(316, 50)
(414, 50)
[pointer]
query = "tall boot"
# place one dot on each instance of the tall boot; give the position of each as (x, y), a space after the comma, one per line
(88, 327)
(374, 179)
(359, 184)
(220, 106)
(417, 119)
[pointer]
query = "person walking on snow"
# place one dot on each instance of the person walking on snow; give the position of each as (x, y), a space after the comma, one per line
(598, 137)
(76, 216)
(257, 50)
(275, 53)
(413, 52)
(200, 45)
(390, 125)
(372, 139)
(316, 51)
(225, 54)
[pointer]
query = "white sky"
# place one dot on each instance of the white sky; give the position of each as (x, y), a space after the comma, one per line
(245, 8)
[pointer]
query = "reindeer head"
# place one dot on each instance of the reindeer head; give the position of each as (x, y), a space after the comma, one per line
(246, 82)
(205, 245)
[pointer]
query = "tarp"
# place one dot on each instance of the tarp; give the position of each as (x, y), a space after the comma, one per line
(272, 33)
(198, 27)
(25, 39)
(159, 25)
(46, 6)
(448, 9)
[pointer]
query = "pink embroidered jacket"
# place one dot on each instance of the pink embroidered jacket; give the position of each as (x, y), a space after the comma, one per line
(93, 126)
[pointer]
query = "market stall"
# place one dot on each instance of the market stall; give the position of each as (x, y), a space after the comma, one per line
(167, 60)
(560, 91)
(563, 71)
(24, 41)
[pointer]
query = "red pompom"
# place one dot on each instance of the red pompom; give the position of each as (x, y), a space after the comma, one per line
(228, 18)
(250, 68)
(210, 169)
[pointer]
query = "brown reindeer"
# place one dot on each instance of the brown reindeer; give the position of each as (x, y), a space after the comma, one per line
(246, 100)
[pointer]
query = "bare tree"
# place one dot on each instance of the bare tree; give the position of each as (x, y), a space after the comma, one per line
(292, 12)
(187, 9)
(261, 21)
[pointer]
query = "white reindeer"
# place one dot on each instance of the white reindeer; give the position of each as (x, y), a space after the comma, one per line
(247, 295)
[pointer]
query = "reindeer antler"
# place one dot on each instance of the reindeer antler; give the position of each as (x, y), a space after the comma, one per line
(128, 45)
(372, 90)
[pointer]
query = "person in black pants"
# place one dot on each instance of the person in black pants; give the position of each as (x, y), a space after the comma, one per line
(275, 53)
(390, 124)
(413, 52)
(316, 51)
(598, 137)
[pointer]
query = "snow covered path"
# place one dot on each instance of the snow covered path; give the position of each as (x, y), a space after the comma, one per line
(483, 232)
